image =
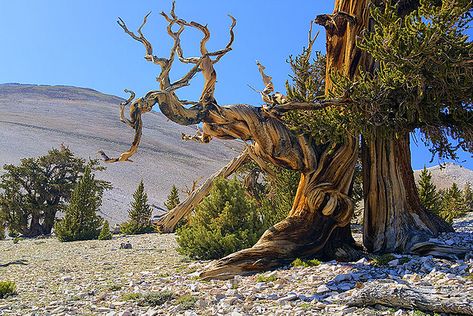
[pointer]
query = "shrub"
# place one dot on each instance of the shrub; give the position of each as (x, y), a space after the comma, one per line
(266, 278)
(80, 220)
(139, 214)
(156, 298)
(7, 288)
(186, 301)
(305, 263)
(105, 233)
(383, 260)
(224, 222)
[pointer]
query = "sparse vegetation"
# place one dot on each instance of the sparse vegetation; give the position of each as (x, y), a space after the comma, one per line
(131, 296)
(266, 278)
(139, 214)
(305, 263)
(383, 260)
(156, 298)
(186, 301)
(7, 288)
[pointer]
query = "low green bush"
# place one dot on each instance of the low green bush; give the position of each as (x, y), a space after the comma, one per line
(186, 301)
(7, 288)
(265, 278)
(224, 222)
(305, 263)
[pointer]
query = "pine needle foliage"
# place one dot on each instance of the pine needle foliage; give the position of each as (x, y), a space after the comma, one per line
(173, 198)
(105, 233)
(424, 78)
(453, 205)
(429, 197)
(139, 214)
(81, 221)
(468, 197)
(224, 222)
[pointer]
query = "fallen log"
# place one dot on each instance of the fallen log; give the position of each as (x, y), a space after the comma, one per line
(397, 295)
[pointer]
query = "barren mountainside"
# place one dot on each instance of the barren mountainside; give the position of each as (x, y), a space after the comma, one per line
(444, 176)
(35, 118)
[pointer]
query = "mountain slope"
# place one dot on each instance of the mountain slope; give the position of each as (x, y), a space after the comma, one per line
(33, 119)
(444, 176)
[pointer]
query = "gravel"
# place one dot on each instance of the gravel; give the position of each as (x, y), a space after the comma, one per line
(99, 278)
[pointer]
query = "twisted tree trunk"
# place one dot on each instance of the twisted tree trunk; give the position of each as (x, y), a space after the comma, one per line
(394, 219)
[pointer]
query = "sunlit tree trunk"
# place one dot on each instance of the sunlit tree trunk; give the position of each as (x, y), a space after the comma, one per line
(394, 219)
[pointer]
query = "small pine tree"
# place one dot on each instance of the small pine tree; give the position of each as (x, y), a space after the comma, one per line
(173, 198)
(453, 205)
(468, 197)
(429, 197)
(224, 222)
(81, 221)
(139, 214)
(105, 233)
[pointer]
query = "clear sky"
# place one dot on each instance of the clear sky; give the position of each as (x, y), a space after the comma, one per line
(79, 43)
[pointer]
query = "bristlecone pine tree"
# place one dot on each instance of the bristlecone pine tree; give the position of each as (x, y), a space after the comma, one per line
(453, 204)
(173, 198)
(391, 67)
(105, 233)
(139, 214)
(33, 192)
(429, 197)
(81, 221)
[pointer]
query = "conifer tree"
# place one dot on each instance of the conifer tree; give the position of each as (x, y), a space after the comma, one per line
(105, 233)
(468, 196)
(81, 221)
(173, 198)
(429, 197)
(139, 214)
(453, 205)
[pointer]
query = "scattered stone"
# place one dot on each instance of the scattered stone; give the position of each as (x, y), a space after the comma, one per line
(126, 245)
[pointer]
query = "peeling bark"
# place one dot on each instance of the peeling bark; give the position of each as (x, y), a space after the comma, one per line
(394, 219)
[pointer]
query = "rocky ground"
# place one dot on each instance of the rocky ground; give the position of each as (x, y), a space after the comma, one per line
(100, 278)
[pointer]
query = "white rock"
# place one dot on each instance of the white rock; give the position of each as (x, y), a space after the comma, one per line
(322, 289)
(393, 263)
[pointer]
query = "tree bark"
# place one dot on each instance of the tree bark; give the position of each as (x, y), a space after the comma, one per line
(394, 219)
(317, 225)
(405, 296)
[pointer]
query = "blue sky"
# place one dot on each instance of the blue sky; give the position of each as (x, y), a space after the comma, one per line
(79, 43)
